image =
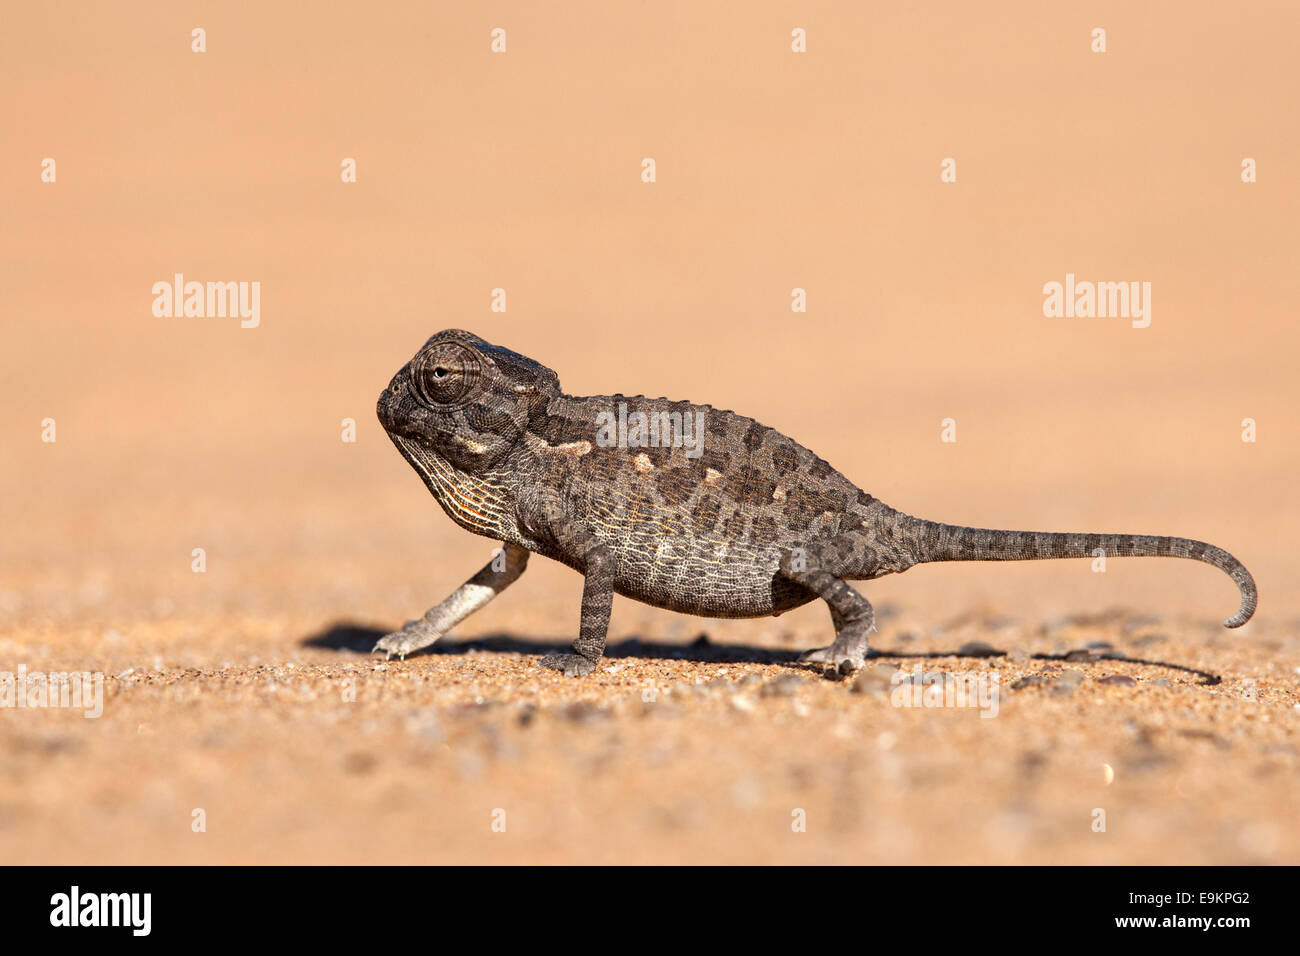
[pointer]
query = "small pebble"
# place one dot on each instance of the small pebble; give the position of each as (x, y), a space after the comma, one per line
(977, 649)
(358, 762)
(875, 681)
(784, 686)
(583, 711)
(1118, 680)
(1033, 680)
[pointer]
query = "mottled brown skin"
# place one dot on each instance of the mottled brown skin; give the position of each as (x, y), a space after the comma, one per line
(754, 525)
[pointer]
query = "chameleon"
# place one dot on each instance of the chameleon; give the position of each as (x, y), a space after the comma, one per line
(743, 522)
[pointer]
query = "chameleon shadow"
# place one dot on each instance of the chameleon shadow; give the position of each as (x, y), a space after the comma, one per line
(1070, 657)
(360, 639)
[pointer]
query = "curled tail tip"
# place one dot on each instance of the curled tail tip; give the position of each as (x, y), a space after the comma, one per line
(1242, 616)
(1249, 598)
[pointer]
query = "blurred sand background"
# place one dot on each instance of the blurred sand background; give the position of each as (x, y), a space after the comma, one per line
(522, 171)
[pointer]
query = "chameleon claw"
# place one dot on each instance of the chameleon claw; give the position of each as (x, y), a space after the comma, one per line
(570, 665)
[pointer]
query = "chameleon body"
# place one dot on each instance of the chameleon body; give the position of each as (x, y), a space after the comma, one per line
(716, 515)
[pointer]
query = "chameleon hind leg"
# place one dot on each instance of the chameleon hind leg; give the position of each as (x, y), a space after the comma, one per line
(818, 569)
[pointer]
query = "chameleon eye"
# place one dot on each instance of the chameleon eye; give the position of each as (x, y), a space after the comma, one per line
(446, 374)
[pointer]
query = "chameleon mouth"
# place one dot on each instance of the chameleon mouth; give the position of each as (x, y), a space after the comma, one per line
(388, 408)
(394, 411)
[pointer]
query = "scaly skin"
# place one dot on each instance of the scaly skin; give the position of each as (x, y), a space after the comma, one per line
(746, 524)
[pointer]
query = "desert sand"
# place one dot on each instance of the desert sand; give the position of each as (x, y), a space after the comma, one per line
(243, 720)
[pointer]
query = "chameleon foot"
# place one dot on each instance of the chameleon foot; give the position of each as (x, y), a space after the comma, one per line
(413, 636)
(838, 660)
(570, 665)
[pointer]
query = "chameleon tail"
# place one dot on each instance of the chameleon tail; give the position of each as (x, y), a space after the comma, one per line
(931, 541)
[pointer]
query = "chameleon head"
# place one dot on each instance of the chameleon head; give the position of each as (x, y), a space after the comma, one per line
(465, 399)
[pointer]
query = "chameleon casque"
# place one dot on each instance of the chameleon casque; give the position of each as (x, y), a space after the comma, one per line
(749, 524)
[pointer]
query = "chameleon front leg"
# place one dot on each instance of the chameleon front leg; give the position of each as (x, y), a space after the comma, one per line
(458, 605)
(549, 519)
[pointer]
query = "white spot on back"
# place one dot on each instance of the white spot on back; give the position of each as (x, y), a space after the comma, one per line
(575, 448)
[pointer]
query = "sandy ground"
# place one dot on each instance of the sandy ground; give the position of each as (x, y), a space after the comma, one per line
(245, 691)
(696, 751)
